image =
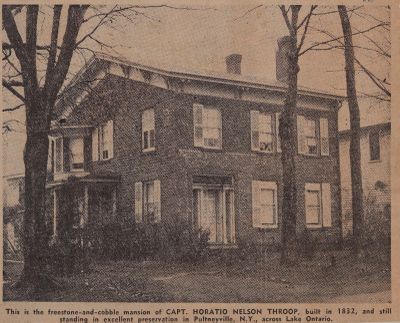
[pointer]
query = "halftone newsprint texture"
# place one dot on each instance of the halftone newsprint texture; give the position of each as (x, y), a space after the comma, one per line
(200, 161)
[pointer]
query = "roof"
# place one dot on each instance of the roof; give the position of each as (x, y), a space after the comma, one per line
(100, 61)
(379, 126)
(213, 76)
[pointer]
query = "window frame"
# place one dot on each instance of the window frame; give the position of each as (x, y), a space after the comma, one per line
(73, 169)
(374, 137)
(203, 126)
(257, 187)
(317, 137)
(325, 204)
(149, 129)
(101, 130)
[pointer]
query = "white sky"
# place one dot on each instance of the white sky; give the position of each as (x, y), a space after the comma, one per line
(199, 40)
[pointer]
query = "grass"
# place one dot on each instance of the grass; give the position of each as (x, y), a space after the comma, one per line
(216, 280)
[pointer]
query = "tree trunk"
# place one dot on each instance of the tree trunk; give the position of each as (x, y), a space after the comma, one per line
(287, 134)
(35, 272)
(355, 153)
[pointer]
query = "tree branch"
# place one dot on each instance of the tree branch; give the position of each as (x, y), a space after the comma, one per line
(10, 88)
(53, 45)
(307, 22)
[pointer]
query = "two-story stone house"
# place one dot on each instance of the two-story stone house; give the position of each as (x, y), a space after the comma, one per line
(152, 145)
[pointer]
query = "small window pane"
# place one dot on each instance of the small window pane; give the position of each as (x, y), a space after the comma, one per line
(265, 123)
(313, 215)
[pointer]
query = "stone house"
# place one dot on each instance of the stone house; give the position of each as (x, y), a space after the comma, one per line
(153, 145)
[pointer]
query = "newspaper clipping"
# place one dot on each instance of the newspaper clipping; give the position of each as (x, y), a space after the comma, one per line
(200, 161)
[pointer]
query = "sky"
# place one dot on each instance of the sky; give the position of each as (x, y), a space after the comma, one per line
(199, 38)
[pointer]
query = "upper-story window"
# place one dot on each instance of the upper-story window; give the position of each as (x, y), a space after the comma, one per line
(148, 130)
(374, 146)
(310, 134)
(313, 136)
(207, 127)
(264, 131)
(103, 141)
(76, 151)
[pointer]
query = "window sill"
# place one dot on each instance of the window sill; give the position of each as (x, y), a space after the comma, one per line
(149, 150)
(222, 246)
(267, 227)
(102, 160)
(219, 149)
(375, 161)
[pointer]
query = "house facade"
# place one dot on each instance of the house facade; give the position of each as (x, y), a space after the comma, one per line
(375, 166)
(151, 145)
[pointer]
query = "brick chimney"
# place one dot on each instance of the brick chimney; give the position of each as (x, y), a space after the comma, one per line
(282, 60)
(233, 63)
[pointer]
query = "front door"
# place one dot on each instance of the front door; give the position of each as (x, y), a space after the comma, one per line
(211, 215)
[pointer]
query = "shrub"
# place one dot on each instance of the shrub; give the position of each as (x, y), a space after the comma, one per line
(180, 242)
(377, 226)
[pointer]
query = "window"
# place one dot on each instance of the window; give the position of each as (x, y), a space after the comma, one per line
(264, 135)
(148, 132)
(76, 149)
(103, 142)
(374, 146)
(213, 211)
(264, 204)
(58, 155)
(318, 205)
(207, 127)
(310, 132)
(148, 202)
(313, 137)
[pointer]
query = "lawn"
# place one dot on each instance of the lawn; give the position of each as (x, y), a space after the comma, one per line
(218, 281)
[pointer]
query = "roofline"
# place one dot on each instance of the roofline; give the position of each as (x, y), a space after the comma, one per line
(383, 125)
(209, 78)
(13, 176)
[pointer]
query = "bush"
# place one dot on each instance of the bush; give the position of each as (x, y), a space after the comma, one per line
(377, 227)
(146, 241)
(180, 242)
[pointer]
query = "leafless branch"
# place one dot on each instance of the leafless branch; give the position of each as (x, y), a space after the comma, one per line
(12, 90)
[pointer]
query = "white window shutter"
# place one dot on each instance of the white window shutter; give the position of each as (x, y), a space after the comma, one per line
(256, 204)
(138, 202)
(301, 142)
(157, 201)
(255, 136)
(95, 144)
(110, 139)
(198, 125)
(278, 139)
(326, 205)
(324, 136)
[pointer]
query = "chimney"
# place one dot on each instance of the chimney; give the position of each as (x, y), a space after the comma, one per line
(233, 62)
(282, 60)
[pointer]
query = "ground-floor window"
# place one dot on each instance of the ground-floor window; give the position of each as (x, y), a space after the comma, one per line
(318, 205)
(264, 204)
(213, 211)
(148, 202)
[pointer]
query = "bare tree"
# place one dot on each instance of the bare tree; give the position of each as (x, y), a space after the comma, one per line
(35, 75)
(355, 151)
(287, 131)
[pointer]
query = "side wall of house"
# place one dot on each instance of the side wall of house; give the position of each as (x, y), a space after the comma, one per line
(372, 172)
